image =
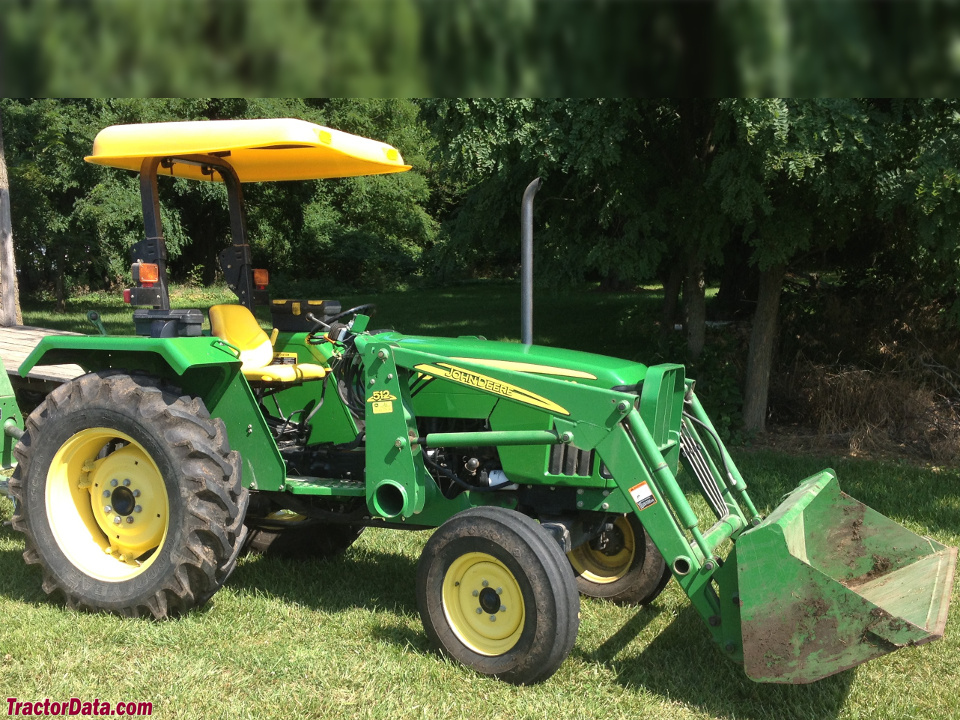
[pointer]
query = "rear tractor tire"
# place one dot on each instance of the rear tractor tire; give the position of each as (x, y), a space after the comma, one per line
(129, 496)
(621, 565)
(496, 594)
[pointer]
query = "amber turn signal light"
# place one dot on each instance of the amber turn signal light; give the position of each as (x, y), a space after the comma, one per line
(145, 274)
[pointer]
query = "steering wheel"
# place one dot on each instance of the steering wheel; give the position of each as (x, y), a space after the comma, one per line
(348, 313)
(324, 325)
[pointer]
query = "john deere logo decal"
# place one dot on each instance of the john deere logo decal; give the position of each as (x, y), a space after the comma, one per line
(491, 385)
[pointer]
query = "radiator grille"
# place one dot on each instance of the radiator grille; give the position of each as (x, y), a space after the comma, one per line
(570, 460)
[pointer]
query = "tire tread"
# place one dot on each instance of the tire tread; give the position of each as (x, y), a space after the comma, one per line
(215, 499)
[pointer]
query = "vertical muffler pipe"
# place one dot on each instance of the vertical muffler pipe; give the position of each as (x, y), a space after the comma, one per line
(526, 262)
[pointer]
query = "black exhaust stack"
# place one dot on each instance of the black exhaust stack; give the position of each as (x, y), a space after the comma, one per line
(526, 262)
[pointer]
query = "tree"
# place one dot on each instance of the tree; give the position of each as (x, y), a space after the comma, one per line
(9, 292)
(792, 174)
(513, 48)
(75, 222)
(918, 195)
(633, 184)
(682, 147)
(598, 192)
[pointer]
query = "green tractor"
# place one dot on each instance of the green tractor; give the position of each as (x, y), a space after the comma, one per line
(543, 473)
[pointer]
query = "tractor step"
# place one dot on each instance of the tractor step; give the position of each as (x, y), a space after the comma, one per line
(305, 485)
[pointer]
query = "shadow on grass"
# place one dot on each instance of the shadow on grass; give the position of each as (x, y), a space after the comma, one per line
(24, 584)
(361, 579)
(364, 579)
(19, 581)
(357, 579)
(900, 491)
(410, 639)
(683, 664)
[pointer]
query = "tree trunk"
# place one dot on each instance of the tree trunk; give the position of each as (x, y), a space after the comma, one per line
(763, 340)
(59, 291)
(671, 292)
(695, 302)
(9, 293)
(737, 297)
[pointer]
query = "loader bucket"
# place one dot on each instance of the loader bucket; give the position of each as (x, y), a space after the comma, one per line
(826, 583)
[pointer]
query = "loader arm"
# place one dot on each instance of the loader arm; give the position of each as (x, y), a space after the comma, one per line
(784, 601)
(613, 422)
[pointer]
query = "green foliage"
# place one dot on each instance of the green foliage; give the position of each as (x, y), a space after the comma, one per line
(592, 213)
(787, 172)
(366, 232)
(510, 48)
(629, 183)
(719, 374)
(631, 186)
(44, 138)
(74, 223)
(867, 190)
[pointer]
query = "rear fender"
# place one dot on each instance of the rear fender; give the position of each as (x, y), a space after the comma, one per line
(11, 422)
(204, 367)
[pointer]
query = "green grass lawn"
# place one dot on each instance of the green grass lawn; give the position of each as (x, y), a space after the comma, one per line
(605, 322)
(342, 638)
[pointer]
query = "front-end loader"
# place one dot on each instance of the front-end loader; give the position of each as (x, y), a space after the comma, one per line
(544, 473)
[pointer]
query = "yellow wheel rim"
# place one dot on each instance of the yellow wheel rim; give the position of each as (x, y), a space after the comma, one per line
(109, 515)
(483, 604)
(599, 567)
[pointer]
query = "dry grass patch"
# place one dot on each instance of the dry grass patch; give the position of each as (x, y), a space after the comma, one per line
(879, 412)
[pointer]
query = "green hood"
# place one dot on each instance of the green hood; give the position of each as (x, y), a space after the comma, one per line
(586, 368)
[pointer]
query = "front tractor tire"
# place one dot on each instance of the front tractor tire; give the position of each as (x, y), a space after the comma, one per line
(129, 496)
(496, 594)
(621, 565)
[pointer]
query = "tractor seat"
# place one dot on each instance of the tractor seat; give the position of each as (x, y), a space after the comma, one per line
(236, 325)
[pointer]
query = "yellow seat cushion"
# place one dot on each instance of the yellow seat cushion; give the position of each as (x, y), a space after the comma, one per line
(236, 325)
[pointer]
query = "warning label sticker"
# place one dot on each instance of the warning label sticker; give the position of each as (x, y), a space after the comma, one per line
(642, 495)
(284, 358)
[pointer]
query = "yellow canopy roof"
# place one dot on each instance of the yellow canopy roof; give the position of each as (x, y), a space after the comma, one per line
(259, 150)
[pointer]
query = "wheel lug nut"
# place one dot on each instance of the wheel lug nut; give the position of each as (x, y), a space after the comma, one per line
(485, 583)
(129, 519)
(107, 509)
(503, 608)
(479, 611)
(138, 508)
(476, 593)
(106, 493)
(116, 520)
(126, 483)
(499, 591)
(136, 493)
(493, 618)
(114, 482)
